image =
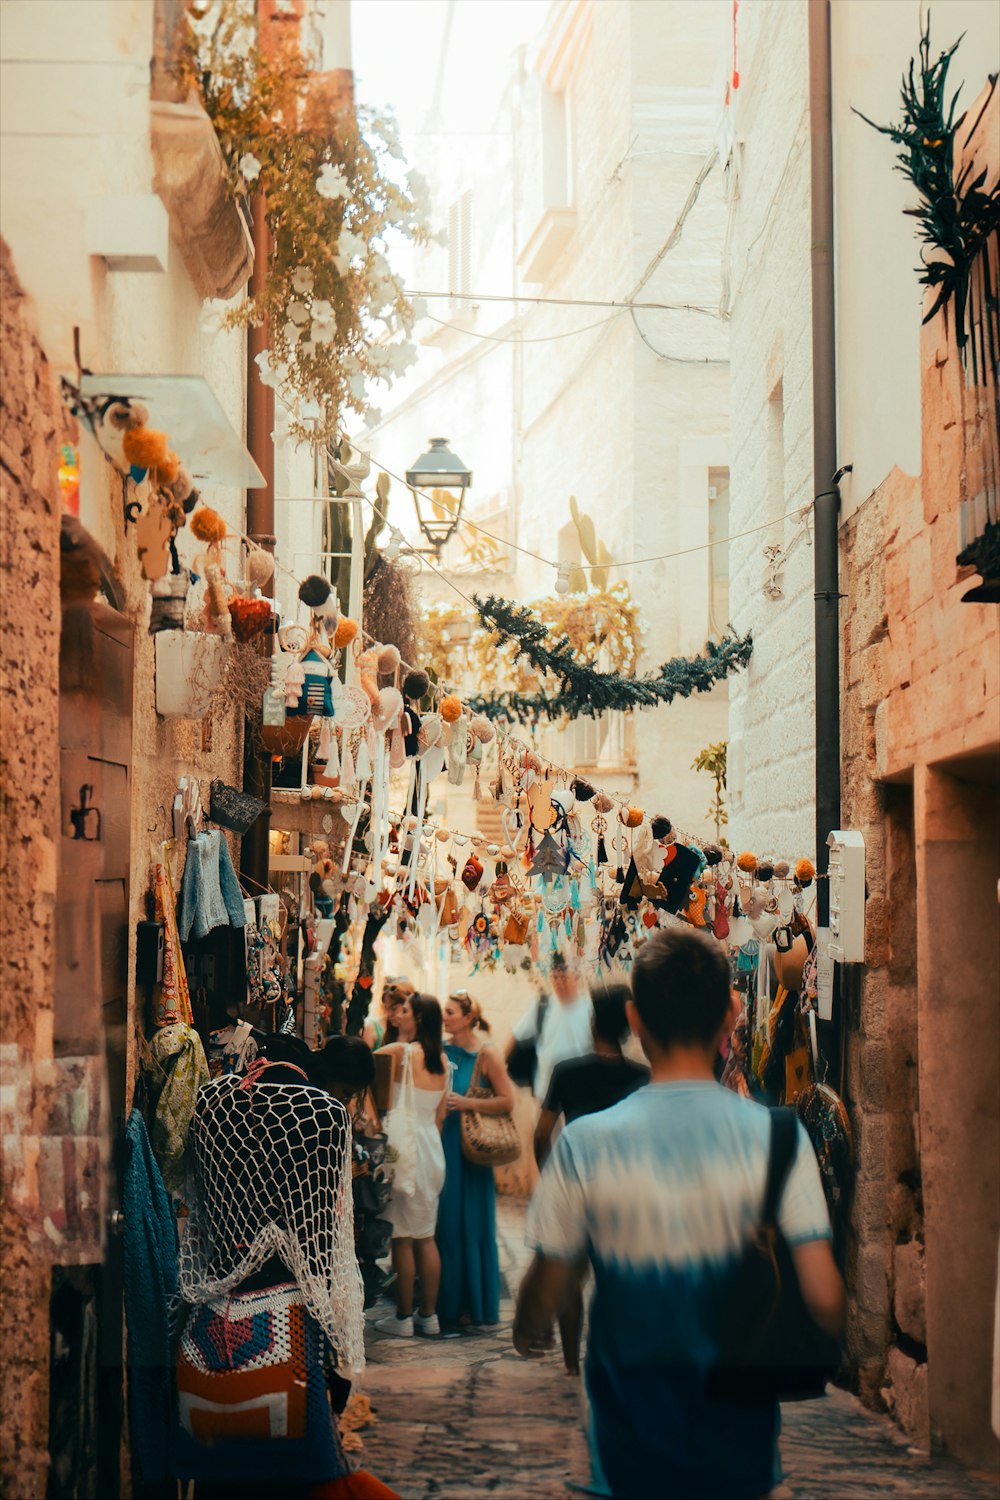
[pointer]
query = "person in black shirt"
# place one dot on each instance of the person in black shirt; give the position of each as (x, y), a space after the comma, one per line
(584, 1086)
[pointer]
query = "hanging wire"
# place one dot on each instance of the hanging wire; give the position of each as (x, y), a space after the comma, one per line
(634, 562)
(546, 338)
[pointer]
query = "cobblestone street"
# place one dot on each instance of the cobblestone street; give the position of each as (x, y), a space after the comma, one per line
(462, 1418)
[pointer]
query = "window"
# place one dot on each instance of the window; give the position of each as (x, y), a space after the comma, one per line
(718, 551)
(589, 742)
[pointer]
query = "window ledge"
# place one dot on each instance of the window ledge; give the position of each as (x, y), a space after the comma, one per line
(546, 243)
(190, 178)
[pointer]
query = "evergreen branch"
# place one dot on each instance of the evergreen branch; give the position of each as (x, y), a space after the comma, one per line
(583, 691)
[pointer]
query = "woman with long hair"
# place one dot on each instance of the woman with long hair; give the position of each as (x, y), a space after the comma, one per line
(413, 1214)
(467, 1231)
(380, 1032)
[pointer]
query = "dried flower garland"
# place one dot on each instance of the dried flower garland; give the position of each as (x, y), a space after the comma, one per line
(331, 195)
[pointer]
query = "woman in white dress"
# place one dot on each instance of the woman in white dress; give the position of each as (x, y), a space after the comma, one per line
(413, 1215)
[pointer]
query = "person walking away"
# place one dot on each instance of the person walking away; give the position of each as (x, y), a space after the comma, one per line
(663, 1192)
(467, 1229)
(413, 1215)
(585, 1086)
(564, 1030)
(345, 1068)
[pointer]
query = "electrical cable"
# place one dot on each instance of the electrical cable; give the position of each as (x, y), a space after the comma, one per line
(619, 303)
(584, 567)
(546, 338)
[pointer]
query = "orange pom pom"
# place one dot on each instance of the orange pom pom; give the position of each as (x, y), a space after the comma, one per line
(747, 862)
(168, 471)
(145, 447)
(345, 633)
(631, 816)
(370, 685)
(805, 872)
(450, 708)
(207, 525)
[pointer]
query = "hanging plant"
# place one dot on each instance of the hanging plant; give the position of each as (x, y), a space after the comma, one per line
(332, 189)
(956, 218)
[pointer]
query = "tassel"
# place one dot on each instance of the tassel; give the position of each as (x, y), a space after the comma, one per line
(540, 923)
(574, 894)
(348, 775)
(602, 853)
(363, 762)
(619, 876)
(477, 791)
(323, 748)
(333, 758)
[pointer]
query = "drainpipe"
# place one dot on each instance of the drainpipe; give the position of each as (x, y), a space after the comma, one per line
(255, 844)
(826, 494)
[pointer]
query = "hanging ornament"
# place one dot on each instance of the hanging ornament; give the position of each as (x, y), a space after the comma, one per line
(600, 827)
(549, 862)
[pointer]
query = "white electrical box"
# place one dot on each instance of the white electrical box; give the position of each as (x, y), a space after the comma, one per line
(847, 896)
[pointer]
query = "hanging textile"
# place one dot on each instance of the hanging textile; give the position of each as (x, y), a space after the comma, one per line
(178, 1072)
(171, 998)
(210, 894)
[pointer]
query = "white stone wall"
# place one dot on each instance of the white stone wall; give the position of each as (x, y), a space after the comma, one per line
(75, 128)
(772, 755)
(598, 414)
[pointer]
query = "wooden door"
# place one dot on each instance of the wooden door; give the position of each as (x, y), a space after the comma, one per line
(90, 1045)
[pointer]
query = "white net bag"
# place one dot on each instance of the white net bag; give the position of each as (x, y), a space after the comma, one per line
(271, 1164)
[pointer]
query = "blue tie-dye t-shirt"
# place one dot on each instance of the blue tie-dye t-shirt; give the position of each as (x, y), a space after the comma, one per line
(662, 1192)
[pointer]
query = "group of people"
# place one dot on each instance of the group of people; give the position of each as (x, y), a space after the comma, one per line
(443, 1215)
(654, 1185)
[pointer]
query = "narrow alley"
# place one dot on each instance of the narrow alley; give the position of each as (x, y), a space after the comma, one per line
(466, 1418)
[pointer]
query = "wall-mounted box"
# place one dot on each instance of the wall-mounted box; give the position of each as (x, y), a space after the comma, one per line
(847, 896)
(132, 233)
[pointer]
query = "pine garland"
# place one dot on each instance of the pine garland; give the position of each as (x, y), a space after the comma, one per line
(582, 690)
(957, 217)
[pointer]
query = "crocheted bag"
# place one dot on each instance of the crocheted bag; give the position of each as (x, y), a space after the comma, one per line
(487, 1140)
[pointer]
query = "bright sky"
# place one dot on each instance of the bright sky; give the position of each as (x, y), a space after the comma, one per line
(398, 62)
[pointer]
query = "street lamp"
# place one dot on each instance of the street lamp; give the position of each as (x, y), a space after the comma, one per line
(438, 482)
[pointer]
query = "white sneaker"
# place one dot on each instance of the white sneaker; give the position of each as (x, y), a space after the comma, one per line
(428, 1327)
(400, 1328)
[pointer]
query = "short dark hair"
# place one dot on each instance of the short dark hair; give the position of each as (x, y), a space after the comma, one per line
(610, 1021)
(279, 1048)
(681, 987)
(345, 1061)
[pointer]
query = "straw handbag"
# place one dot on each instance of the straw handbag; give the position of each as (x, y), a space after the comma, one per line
(487, 1140)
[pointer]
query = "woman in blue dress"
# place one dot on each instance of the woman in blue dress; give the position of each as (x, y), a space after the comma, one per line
(466, 1227)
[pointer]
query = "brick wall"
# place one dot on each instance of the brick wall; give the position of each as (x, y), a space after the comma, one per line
(884, 1263)
(31, 429)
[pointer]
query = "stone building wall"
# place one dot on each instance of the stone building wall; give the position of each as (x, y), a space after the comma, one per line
(921, 735)
(884, 1263)
(30, 430)
(771, 720)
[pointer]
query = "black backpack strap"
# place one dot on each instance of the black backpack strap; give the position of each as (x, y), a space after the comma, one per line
(784, 1136)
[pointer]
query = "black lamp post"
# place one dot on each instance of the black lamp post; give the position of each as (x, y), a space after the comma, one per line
(438, 514)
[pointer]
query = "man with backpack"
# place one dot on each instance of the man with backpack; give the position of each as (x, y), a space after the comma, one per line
(664, 1193)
